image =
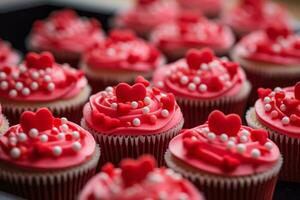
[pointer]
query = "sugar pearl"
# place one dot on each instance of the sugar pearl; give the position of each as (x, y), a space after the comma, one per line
(202, 88)
(109, 89)
(61, 136)
(63, 120)
(147, 100)
(165, 113)
(243, 138)
(204, 67)
(47, 78)
(51, 87)
(33, 133)
(160, 84)
(268, 107)
(76, 146)
(3, 75)
(192, 87)
(283, 107)
(13, 93)
(75, 134)
(136, 122)
(35, 75)
(13, 140)
(255, 153)
(22, 137)
(269, 145)
(15, 75)
(223, 137)
(196, 80)
(19, 86)
(134, 104)
(245, 132)
(241, 148)
(15, 152)
(64, 127)
(205, 130)
(44, 138)
(26, 91)
(211, 136)
(267, 99)
(34, 85)
(57, 150)
(114, 105)
(184, 80)
(285, 120)
(230, 144)
(3, 85)
(277, 89)
(274, 114)
(146, 110)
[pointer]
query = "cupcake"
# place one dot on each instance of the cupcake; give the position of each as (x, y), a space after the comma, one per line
(253, 15)
(66, 35)
(121, 58)
(40, 82)
(201, 83)
(128, 121)
(8, 55)
(278, 112)
(138, 180)
(270, 57)
(3, 122)
(46, 158)
(190, 30)
(146, 15)
(210, 8)
(226, 160)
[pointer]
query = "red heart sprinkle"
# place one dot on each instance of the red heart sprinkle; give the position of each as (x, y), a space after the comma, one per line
(259, 135)
(122, 35)
(195, 57)
(297, 91)
(109, 169)
(230, 163)
(276, 31)
(215, 84)
(142, 80)
(231, 67)
(220, 123)
(42, 61)
(262, 92)
(125, 92)
(168, 101)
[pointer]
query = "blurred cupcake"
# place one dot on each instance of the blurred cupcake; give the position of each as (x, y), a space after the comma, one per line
(190, 30)
(8, 55)
(201, 83)
(121, 59)
(210, 8)
(128, 121)
(278, 112)
(253, 15)
(66, 35)
(40, 82)
(226, 160)
(3, 122)
(270, 58)
(46, 158)
(146, 15)
(138, 180)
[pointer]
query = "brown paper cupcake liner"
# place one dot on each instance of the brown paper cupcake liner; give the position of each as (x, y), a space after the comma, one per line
(289, 148)
(5, 125)
(64, 184)
(70, 108)
(195, 112)
(253, 187)
(115, 148)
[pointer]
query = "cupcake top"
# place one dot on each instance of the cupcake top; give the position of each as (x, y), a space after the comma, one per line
(208, 7)
(65, 31)
(138, 180)
(222, 146)
(40, 79)
(279, 109)
(132, 110)
(147, 14)
(122, 50)
(8, 55)
(200, 75)
(275, 44)
(190, 29)
(43, 142)
(252, 15)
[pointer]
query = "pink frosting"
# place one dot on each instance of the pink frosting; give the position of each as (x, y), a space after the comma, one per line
(40, 79)
(280, 109)
(273, 45)
(191, 30)
(147, 15)
(240, 151)
(200, 75)
(123, 50)
(43, 142)
(155, 183)
(208, 7)
(65, 31)
(253, 15)
(132, 110)
(8, 56)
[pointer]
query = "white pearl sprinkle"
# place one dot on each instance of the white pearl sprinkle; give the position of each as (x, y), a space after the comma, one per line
(147, 100)
(15, 152)
(255, 153)
(3, 75)
(230, 144)
(274, 114)
(184, 80)
(165, 113)
(61, 136)
(19, 86)
(51, 87)
(35, 75)
(109, 89)
(114, 105)
(33, 133)
(13, 93)
(22, 68)
(136, 122)
(64, 127)
(196, 80)
(160, 84)
(269, 145)
(75, 134)
(4, 85)
(47, 78)
(277, 89)
(268, 107)
(22, 137)
(76, 146)
(13, 140)
(283, 107)
(63, 120)
(48, 70)
(202, 88)
(15, 75)
(243, 138)
(223, 137)
(192, 87)
(211, 136)
(267, 99)
(134, 104)
(204, 67)
(44, 138)
(57, 150)
(285, 120)
(34, 85)
(245, 132)
(26, 91)
(241, 148)
(145, 110)
(205, 130)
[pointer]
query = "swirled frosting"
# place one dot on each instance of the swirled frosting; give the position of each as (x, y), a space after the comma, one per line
(65, 31)
(223, 146)
(8, 56)
(200, 75)
(148, 14)
(138, 180)
(191, 30)
(252, 15)
(132, 110)
(275, 45)
(123, 50)
(40, 79)
(43, 142)
(279, 109)
(208, 7)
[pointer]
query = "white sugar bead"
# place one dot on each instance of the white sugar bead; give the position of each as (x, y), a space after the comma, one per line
(283, 107)
(211, 136)
(165, 113)
(109, 89)
(22, 68)
(285, 120)
(196, 80)
(274, 114)
(277, 89)
(4, 85)
(243, 138)
(3, 75)
(48, 70)
(147, 100)
(64, 127)
(44, 138)
(13, 93)
(205, 130)
(114, 105)
(33, 133)
(241, 148)
(184, 80)
(34, 85)
(268, 107)
(13, 140)
(75, 134)
(15, 152)
(19, 86)
(22, 137)
(269, 145)
(160, 84)
(134, 104)
(61, 136)
(47, 78)
(26, 91)
(267, 99)
(255, 153)
(192, 87)
(245, 132)
(76, 146)
(204, 67)
(35, 75)
(230, 144)
(51, 87)
(145, 110)
(15, 75)
(57, 150)
(223, 137)
(136, 122)
(63, 120)
(202, 88)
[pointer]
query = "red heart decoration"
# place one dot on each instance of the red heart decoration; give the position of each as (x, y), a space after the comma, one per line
(42, 61)
(262, 92)
(220, 123)
(230, 163)
(142, 80)
(125, 92)
(168, 101)
(215, 84)
(231, 67)
(195, 57)
(134, 171)
(276, 31)
(42, 120)
(259, 135)
(109, 169)
(297, 91)
(122, 35)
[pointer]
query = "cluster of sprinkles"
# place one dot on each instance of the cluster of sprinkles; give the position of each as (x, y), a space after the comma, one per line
(26, 140)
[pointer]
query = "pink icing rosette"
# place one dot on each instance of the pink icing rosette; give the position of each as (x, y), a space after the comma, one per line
(8, 56)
